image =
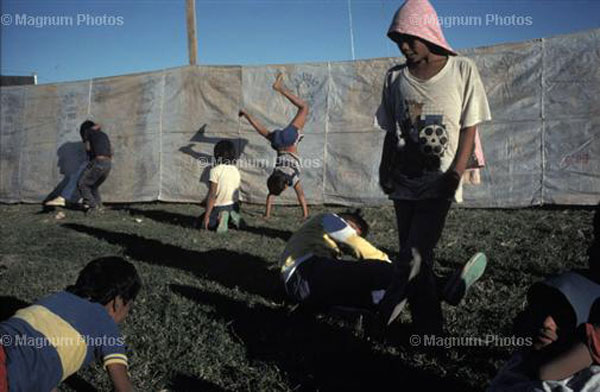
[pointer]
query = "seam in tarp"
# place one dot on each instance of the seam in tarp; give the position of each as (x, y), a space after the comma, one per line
(543, 124)
(89, 105)
(22, 145)
(327, 105)
(160, 133)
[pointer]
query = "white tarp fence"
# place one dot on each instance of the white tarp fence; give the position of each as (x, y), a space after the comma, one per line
(542, 147)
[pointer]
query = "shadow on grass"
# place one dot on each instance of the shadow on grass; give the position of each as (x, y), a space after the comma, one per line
(189, 221)
(268, 232)
(185, 383)
(229, 268)
(314, 355)
(8, 307)
(171, 218)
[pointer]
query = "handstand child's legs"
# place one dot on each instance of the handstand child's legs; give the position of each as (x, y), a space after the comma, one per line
(300, 118)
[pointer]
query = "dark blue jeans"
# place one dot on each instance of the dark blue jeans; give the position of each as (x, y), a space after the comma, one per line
(92, 177)
(420, 224)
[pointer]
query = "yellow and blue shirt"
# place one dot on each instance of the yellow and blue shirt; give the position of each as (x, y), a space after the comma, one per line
(52, 339)
(321, 236)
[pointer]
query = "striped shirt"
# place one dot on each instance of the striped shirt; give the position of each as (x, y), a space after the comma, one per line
(54, 338)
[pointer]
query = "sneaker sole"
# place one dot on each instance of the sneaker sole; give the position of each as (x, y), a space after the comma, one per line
(469, 274)
(474, 269)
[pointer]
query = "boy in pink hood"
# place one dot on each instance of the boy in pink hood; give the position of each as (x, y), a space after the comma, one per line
(430, 109)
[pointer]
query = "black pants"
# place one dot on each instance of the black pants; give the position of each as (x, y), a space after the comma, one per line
(92, 177)
(321, 282)
(420, 224)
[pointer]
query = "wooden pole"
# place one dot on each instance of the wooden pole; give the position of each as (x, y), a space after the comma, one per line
(191, 30)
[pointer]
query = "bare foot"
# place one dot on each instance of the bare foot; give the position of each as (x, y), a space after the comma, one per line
(278, 85)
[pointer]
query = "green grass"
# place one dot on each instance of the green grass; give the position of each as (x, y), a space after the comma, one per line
(212, 315)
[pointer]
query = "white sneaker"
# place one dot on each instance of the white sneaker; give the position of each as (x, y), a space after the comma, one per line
(56, 202)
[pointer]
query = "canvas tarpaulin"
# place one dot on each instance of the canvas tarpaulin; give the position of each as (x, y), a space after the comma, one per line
(542, 146)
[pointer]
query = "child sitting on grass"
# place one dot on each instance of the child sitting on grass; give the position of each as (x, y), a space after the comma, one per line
(285, 142)
(43, 344)
(222, 200)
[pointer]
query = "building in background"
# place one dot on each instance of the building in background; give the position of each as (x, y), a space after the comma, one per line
(17, 80)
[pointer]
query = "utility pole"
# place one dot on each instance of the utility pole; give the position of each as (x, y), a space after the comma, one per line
(351, 30)
(190, 9)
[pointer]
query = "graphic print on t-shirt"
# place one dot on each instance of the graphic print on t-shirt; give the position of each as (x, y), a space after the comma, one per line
(425, 133)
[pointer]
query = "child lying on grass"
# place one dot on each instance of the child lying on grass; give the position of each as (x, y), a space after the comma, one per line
(43, 344)
(315, 275)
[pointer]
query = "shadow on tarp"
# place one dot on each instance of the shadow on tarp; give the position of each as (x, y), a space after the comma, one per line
(228, 268)
(201, 138)
(314, 354)
(71, 156)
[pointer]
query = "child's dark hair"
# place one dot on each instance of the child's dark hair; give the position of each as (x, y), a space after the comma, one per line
(84, 128)
(277, 182)
(106, 278)
(224, 152)
(356, 218)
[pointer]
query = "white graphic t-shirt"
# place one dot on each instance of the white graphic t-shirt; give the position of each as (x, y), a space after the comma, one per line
(426, 117)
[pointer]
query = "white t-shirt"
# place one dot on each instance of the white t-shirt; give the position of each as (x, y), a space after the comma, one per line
(426, 116)
(227, 178)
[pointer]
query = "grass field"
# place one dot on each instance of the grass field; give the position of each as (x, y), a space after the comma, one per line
(212, 316)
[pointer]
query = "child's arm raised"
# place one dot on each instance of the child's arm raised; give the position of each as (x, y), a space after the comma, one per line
(268, 205)
(301, 199)
(210, 204)
(119, 377)
(254, 122)
(302, 106)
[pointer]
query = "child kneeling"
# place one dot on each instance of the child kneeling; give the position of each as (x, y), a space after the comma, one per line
(222, 204)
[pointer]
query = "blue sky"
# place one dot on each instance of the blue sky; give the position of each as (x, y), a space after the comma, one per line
(112, 37)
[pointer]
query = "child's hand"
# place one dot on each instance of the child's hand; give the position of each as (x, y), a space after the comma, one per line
(386, 184)
(450, 179)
